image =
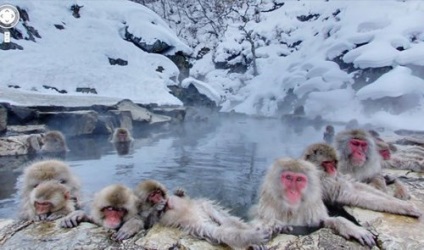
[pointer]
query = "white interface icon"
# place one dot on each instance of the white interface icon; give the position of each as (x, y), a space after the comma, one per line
(9, 17)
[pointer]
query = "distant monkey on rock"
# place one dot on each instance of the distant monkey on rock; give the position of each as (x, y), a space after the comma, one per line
(290, 195)
(338, 189)
(201, 218)
(359, 157)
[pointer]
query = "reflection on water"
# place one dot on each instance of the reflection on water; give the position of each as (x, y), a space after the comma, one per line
(222, 160)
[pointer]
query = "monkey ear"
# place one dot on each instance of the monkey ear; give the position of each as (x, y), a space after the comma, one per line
(67, 195)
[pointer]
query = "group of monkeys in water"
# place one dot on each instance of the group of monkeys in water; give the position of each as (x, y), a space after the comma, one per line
(345, 170)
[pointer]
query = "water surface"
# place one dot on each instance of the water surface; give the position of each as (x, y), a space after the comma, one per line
(224, 160)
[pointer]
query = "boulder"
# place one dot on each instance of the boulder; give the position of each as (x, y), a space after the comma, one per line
(20, 145)
(3, 119)
(73, 123)
(140, 114)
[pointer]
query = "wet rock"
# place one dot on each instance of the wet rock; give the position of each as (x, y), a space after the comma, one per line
(20, 145)
(71, 123)
(29, 129)
(140, 114)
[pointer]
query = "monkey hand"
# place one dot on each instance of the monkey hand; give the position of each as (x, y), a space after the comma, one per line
(402, 193)
(361, 234)
(129, 229)
(74, 219)
(48, 217)
(279, 228)
(180, 192)
(257, 247)
(160, 206)
(411, 210)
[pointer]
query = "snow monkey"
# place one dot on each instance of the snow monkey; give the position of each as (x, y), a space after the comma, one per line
(329, 134)
(49, 200)
(44, 171)
(359, 157)
(201, 218)
(53, 142)
(337, 188)
(113, 207)
(122, 140)
(290, 195)
(121, 135)
(408, 159)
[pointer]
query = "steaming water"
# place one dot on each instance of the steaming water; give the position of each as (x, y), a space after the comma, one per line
(224, 160)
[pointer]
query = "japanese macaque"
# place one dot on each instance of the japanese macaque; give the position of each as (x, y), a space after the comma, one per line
(358, 157)
(121, 135)
(290, 195)
(49, 201)
(113, 207)
(408, 159)
(336, 188)
(53, 142)
(201, 218)
(329, 134)
(122, 140)
(44, 171)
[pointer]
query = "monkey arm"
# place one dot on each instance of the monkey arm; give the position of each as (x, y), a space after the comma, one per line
(74, 219)
(129, 228)
(349, 230)
(361, 195)
(401, 192)
(378, 182)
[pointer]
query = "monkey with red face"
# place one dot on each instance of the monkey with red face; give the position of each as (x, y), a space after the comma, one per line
(359, 158)
(341, 190)
(290, 195)
(201, 218)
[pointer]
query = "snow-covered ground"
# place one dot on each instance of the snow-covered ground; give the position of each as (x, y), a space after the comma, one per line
(291, 54)
(78, 56)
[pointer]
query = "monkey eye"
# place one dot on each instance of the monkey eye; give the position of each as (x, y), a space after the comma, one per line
(35, 185)
(62, 181)
(289, 177)
(299, 179)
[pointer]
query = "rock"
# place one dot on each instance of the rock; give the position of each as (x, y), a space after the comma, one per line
(21, 115)
(140, 114)
(20, 145)
(29, 129)
(3, 119)
(71, 123)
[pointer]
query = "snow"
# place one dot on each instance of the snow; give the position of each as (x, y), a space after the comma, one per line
(77, 56)
(317, 60)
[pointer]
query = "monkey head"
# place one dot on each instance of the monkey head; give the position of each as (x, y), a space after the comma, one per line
(49, 197)
(355, 146)
(53, 141)
(329, 129)
(114, 205)
(323, 156)
(289, 180)
(48, 170)
(383, 149)
(151, 191)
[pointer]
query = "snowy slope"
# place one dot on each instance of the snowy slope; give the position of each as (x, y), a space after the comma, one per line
(78, 56)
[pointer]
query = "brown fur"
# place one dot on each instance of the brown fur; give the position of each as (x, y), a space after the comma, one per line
(203, 219)
(43, 171)
(370, 171)
(53, 142)
(341, 190)
(121, 131)
(273, 211)
(54, 193)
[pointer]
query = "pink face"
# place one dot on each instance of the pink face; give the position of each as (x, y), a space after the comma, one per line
(155, 196)
(385, 153)
(122, 136)
(113, 217)
(358, 149)
(43, 207)
(329, 167)
(293, 184)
